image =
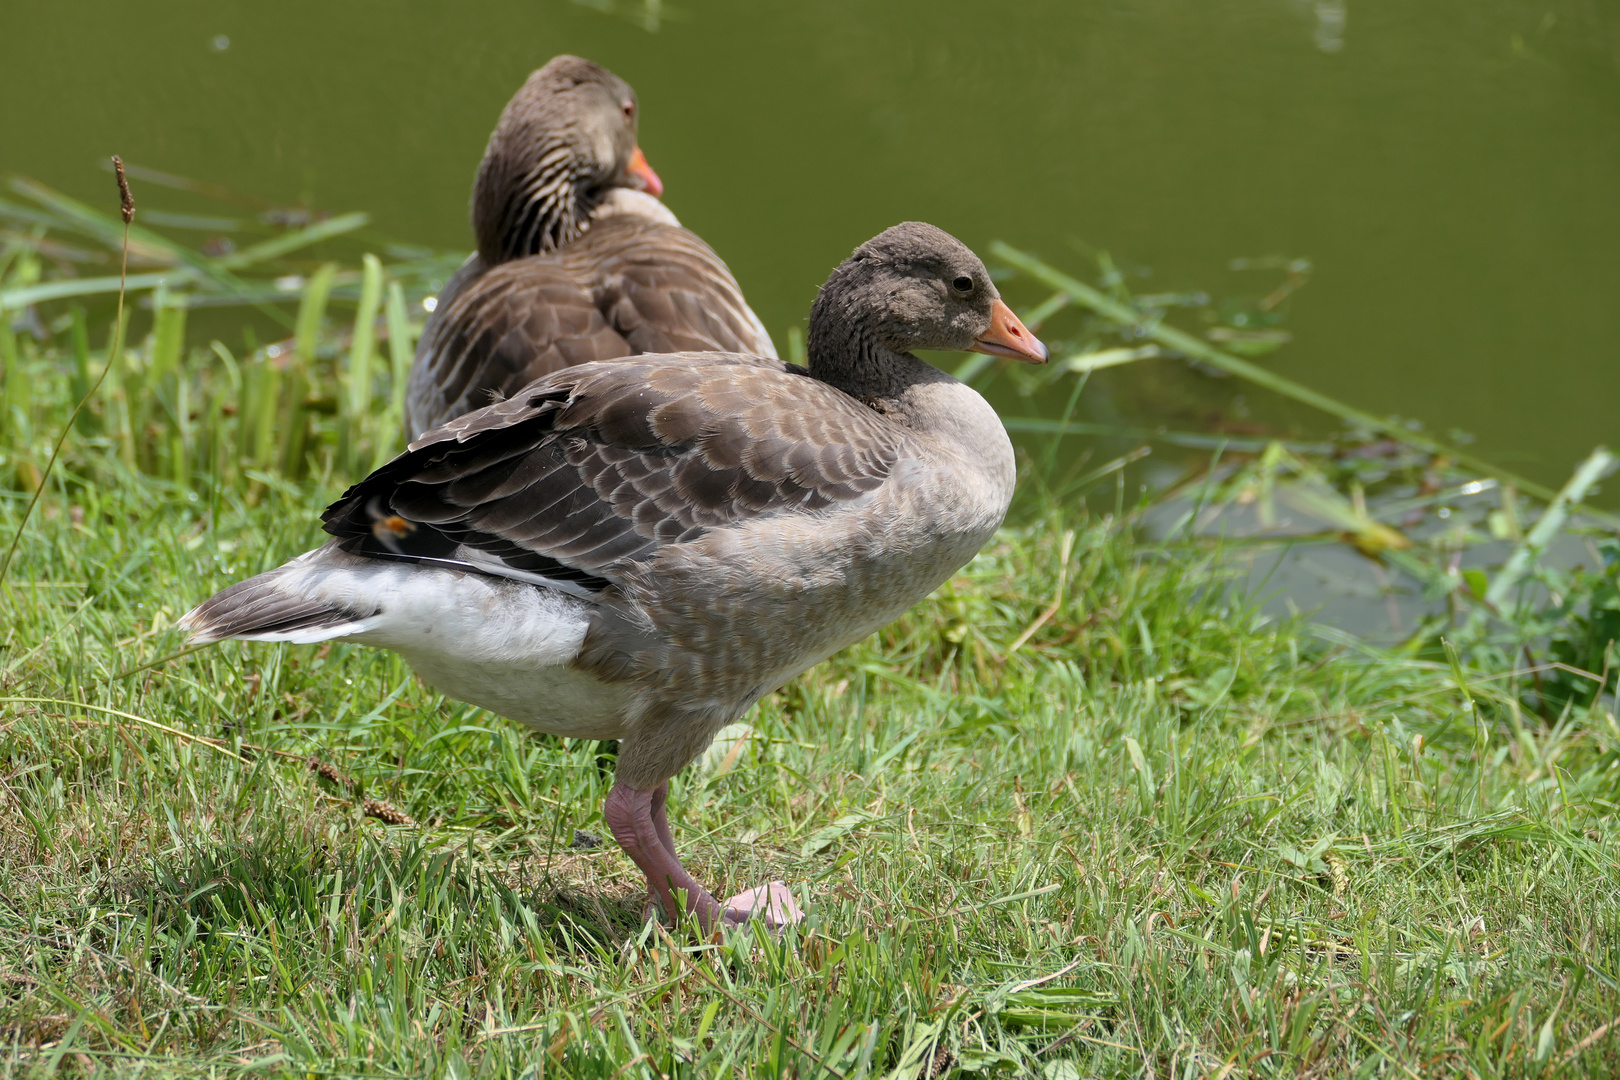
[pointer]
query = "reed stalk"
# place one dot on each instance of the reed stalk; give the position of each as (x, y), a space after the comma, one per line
(126, 209)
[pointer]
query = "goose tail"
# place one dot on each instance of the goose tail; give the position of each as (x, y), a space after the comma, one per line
(273, 607)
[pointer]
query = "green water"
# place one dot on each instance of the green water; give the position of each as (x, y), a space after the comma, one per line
(1450, 168)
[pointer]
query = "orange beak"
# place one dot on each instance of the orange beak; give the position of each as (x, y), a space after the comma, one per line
(1009, 337)
(642, 176)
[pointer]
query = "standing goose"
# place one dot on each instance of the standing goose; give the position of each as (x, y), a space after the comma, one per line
(639, 550)
(577, 259)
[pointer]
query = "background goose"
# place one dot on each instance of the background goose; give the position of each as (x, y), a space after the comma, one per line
(640, 550)
(577, 259)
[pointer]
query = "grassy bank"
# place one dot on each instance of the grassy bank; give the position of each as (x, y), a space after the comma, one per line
(1086, 811)
(1164, 834)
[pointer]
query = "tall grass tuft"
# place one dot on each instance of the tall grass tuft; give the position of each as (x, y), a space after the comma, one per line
(126, 211)
(196, 411)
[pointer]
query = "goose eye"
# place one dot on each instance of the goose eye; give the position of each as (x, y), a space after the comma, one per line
(963, 284)
(629, 112)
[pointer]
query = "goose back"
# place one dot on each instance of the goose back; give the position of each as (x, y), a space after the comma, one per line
(629, 285)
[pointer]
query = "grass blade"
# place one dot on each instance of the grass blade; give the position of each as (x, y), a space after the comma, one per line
(105, 227)
(19, 298)
(301, 372)
(278, 246)
(357, 411)
(401, 345)
(1552, 520)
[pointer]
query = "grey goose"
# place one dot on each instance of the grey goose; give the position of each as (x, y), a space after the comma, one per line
(639, 549)
(577, 258)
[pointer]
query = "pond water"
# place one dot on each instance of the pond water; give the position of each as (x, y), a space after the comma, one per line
(1449, 169)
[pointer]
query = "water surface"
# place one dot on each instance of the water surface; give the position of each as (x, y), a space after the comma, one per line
(1450, 169)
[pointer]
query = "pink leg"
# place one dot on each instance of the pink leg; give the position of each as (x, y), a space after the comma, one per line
(629, 813)
(641, 826)
(661, 819)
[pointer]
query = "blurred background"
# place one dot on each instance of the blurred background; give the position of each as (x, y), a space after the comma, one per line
(1432, 186)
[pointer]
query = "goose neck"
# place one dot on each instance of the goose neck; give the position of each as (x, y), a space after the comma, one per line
(845, 349)
(520, 211)
(851, 357)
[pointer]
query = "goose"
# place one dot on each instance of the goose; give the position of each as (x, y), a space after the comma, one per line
(640, 549)
(577, 258)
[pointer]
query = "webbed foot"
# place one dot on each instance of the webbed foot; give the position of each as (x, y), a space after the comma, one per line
(773, 903)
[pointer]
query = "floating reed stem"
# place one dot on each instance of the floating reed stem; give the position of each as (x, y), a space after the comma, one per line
(1185, 343)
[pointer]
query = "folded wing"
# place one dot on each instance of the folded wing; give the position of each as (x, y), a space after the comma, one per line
(594, 467)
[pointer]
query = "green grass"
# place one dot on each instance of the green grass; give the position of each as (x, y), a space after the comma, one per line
(1163, 836)
(1116, 848)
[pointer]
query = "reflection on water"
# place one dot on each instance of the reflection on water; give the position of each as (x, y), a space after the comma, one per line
(1449, 169)
(1330, 19)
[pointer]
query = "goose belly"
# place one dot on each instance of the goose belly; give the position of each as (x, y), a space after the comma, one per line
(502, 645)
(557, 699)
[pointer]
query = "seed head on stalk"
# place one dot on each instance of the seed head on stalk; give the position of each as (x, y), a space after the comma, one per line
(126, 201)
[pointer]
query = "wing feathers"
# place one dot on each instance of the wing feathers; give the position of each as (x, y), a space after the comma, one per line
(594, 468)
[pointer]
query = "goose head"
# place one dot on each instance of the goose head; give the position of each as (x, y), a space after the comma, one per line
(913, 286)
(566, 138)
